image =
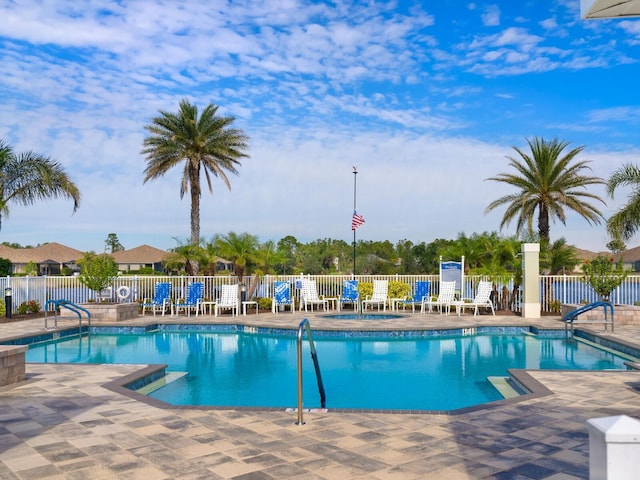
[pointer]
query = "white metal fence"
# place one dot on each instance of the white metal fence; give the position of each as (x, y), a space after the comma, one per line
(553, 288)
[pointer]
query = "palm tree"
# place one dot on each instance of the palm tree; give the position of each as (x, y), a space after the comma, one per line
(626, 222)
(240, 249)
(28, 176)
(199, 143)
(548, 182)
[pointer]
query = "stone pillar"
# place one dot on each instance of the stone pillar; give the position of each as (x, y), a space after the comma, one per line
(614, 448)
(12, 369)
(531, 280)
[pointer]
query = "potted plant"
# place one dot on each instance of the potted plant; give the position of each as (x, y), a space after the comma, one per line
(97, 272)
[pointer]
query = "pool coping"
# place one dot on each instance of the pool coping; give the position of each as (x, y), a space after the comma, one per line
(148, 373)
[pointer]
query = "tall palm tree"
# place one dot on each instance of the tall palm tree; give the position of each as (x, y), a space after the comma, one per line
(200, 143)
(626, 221)
(548, 182)
(28, 176)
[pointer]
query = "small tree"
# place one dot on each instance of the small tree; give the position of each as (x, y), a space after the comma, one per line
(604, 275)
(97, 271)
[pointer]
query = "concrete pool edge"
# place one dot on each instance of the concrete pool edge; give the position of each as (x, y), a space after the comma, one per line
(536, 389)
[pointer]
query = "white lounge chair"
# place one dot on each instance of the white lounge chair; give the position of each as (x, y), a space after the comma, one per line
(379, 296)
(228, 300)
(445, 298)
(481, 300)
(309, 295)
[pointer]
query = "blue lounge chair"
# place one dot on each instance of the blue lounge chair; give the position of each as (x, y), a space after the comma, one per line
(161, 298)
(192, 301)
(350, 294)
(282, 297)
(420, 295)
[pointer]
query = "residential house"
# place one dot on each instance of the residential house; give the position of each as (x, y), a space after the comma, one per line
(50, 258)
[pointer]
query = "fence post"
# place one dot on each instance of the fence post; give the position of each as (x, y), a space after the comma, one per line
(614, 448)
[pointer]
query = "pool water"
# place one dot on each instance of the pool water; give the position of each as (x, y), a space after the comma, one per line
(250, 369)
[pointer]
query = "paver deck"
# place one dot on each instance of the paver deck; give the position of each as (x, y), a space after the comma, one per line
(62, 423)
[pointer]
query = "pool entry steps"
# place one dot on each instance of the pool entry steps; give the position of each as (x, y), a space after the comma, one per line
(60, 304)
(305, 325)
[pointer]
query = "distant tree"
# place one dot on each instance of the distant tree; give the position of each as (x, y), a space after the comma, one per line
(558, 257)
(182, 257)
(31, 268)
(28, 177)
(238, 248)
(616, 245)
(626, 221)
(112, 244)
(549, 183)
(199, 143)
(6, 267)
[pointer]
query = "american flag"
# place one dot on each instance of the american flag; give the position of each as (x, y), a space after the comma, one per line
(356, 221)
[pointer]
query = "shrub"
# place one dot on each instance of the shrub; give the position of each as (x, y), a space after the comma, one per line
(264, 303)
(555, 306)
(3, 308)
(399, 289)
(32, 306)
(365, 289)
(604, 275)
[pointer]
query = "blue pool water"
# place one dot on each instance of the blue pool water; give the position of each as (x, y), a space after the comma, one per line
(250, 369)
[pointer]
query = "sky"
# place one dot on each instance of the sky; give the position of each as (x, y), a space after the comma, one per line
(427, 99)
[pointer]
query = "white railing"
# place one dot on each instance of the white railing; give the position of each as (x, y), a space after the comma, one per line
(553, 288)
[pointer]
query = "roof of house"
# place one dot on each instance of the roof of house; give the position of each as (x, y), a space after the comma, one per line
(142, 254)
(628, 256)
(47, 253)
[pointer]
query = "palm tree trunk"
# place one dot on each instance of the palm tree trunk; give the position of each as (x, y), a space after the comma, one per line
(194, 179)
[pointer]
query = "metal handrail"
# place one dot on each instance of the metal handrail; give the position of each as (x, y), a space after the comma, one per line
(571, 317)
(306, 325)
(61, 303)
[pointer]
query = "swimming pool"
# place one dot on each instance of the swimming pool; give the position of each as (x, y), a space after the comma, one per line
(235, 368)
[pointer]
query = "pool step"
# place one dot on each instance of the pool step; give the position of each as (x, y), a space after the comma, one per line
(503, 386)
(161, 382)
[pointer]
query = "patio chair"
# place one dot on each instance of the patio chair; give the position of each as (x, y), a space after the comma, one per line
(161, 298)
(282, 297)
(481, 300)
(193, 300)
(419, 295)
(379, 296)
(445, 298)
(228, 300)
(350, 294)
(309, 295)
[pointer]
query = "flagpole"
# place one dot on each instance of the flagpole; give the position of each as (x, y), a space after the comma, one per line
(355, 173)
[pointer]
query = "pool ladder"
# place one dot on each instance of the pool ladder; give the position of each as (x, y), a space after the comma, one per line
(60, 304)
(305, 325)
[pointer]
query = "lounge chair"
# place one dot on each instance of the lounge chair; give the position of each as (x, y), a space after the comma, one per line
(445, 298)
(309, 295)
(481, 300)
(350, 294)
(282, 297)
(192, 301)
(379, 296)
(228, 300)
(161, 298)
(420, 294)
